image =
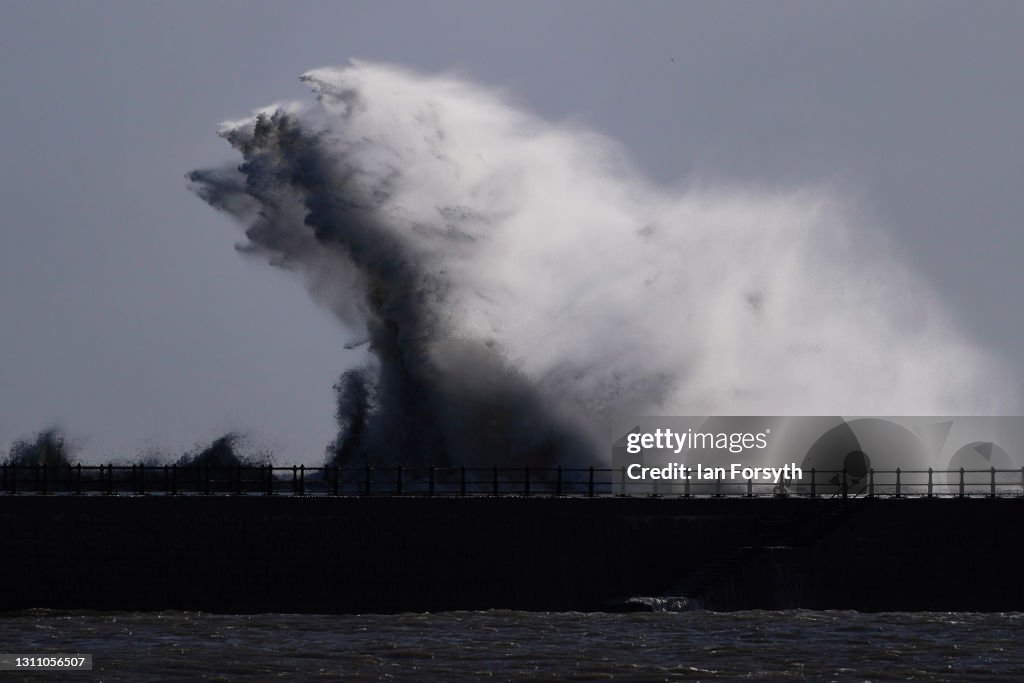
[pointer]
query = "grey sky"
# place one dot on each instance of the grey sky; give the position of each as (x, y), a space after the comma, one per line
(127, 317)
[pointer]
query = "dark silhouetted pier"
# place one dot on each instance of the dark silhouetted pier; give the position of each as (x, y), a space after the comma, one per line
(333, 540)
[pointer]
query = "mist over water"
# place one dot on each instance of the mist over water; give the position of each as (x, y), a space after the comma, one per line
(517, 282)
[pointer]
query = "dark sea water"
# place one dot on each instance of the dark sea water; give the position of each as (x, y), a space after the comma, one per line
(501, 645)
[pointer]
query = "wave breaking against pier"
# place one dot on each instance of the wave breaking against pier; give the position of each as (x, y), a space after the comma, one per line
(517, 282)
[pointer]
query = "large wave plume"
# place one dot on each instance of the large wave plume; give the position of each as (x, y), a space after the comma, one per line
(518, 282)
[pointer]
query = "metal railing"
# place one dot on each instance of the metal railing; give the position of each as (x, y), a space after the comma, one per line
(590, 482)
(843, 484)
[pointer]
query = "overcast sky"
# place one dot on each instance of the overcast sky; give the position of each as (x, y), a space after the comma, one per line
(127, 317)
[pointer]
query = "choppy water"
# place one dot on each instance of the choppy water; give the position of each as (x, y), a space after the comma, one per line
(500, 645)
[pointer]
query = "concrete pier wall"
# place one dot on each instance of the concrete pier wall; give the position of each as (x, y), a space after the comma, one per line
(296, 554)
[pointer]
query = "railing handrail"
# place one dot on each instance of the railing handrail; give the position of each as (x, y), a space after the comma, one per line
(142, 479)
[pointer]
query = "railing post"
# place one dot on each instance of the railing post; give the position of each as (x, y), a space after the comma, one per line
(558, 483)
(686, 486)
(590, 481)
(897, 482)
(961, 482)
(750, 488)
(993, 482)
(718, 487)
(369, 473)
(110, 479)
(270, 480)
(526, 480)
(813, 483)
(433, 480)
(871, 483)
(398, 480)
(295, 480)
(929, 482)
(495, 480)
(78, 478)
(302, 480)
(462, 480)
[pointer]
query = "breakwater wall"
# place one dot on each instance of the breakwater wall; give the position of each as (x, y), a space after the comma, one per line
(390, 554)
